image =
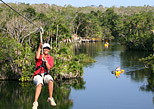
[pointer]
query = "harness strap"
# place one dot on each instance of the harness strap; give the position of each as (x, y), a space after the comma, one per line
(38, 67)
(44, 66)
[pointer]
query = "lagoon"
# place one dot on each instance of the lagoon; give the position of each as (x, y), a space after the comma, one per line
(98, 89)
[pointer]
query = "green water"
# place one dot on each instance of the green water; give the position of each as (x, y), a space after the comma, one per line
(98, 89)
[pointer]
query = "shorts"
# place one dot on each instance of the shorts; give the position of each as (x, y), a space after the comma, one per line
(42, 79)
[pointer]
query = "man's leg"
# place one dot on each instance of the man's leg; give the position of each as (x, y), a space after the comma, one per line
(50, 87)
(38, 80)
(38, 91)
(49, 80)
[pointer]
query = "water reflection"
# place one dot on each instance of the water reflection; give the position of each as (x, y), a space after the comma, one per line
(21, 95)
(107, 59)
(150, 84)
(13, 96)
(141, 76)
(131, 59)
(94, 48)
(136, 70)
(91, 49)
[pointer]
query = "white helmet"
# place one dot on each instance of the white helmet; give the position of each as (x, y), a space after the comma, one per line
(46, 45)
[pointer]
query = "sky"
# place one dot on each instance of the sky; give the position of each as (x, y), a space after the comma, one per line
(82, 3)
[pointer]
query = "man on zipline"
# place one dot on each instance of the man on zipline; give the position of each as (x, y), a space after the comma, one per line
(44, 62)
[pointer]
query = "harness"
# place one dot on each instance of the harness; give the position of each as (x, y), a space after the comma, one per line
(45, 68)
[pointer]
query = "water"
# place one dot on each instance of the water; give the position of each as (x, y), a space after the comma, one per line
(104, 90)
(98, 89)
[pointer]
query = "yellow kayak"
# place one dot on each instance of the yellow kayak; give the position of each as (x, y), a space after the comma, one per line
(121, 71)
(106, 45)
(117, 73)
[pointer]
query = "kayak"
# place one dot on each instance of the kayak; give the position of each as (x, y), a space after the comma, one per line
(106, 45)
(117, 73)
(121, 71)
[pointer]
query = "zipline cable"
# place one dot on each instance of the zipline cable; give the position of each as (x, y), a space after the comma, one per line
(40, 28)
(22, 16)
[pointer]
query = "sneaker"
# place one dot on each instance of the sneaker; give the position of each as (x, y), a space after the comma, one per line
(51, 101)
(35, 104)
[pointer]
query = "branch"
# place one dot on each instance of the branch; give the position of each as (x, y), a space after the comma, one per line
(5, 30)
(28, 35)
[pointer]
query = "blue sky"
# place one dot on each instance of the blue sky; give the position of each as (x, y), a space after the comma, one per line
(81, 3)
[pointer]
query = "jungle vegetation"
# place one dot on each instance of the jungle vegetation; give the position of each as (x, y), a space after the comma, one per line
(131, 26)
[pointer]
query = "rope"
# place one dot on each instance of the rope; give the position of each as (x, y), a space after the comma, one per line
(41, 40)
(22, 16)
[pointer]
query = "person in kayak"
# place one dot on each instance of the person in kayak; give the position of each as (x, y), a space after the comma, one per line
(118, 69)
(44, 62)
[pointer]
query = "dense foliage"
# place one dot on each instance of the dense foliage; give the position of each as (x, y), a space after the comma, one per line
(132, 26)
